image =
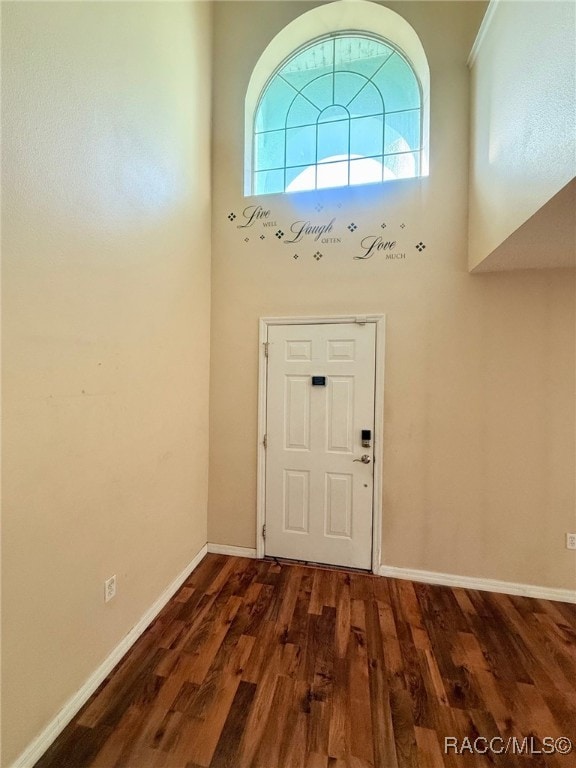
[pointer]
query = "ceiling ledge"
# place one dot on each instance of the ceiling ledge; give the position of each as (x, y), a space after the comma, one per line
(547, 240)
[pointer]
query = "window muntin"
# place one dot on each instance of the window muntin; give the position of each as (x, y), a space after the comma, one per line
(342, 111)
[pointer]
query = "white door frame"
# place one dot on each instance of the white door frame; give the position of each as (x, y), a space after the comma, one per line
(380, 322)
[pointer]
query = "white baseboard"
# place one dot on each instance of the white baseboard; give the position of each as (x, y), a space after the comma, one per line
(224, 549)
(36, 748)
(472, 582)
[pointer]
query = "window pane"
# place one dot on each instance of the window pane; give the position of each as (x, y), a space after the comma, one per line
(366, 136)
(333, 113)
(402, 131)
(302, 113)
(274, 105)
(361, 55)
(269, 150)
(346, 87)
(332, 175)
(367, 102)
(301, 145)
(333, 139)
(345, 110)
(266, 182)
(365, 171)
(402, 166)
(398, 85)
(314, 61)
(301, 178)
(320, 91)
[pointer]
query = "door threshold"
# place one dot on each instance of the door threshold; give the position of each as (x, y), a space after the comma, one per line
(312, 564)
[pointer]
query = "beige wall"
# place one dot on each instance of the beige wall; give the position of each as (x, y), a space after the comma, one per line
(523, 126)
(106, 249)
(479, 408)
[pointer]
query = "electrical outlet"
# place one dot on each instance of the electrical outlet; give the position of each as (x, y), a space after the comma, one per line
(571, 541)
(110, 588)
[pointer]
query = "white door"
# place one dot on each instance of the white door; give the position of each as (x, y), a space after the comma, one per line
(319, 476)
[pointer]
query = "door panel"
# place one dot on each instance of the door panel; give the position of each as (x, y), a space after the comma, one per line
(297, 413)
(338, 505)
(318, 498)
(340, 415)
(296, 501)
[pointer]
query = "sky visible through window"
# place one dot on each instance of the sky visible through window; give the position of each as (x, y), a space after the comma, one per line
(342, 111)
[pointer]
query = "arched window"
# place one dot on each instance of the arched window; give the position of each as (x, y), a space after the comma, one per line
(342, 109)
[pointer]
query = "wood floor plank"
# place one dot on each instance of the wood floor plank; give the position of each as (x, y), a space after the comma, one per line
(314, 760)
(293, 752)
(261, 664)
(113, 747)
(226, 753)
(361, 735)
(316, 603)
(143, 728)
(392, 651)
(207, 648)
(382, 726)
(342, 614)
(205, 743)
(403, 725)
(256, 722)
(78, 746)
(429, 754)
(499, 696)
(433, 678)
(269, 748)
(340, 722)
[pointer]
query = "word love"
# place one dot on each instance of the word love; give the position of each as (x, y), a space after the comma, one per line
(302, 228)
(374, 243)
(254, 213)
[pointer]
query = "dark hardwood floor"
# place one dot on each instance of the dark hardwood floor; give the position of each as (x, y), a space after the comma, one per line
(258, 664)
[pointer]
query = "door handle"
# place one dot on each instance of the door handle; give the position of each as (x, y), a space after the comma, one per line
(365, 459)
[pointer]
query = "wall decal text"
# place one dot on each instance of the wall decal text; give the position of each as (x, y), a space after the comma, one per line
(255, 213)
(373, 244)
(326, 228)
(300, 229)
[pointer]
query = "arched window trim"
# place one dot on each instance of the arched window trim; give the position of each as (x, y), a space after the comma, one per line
(341, 17)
